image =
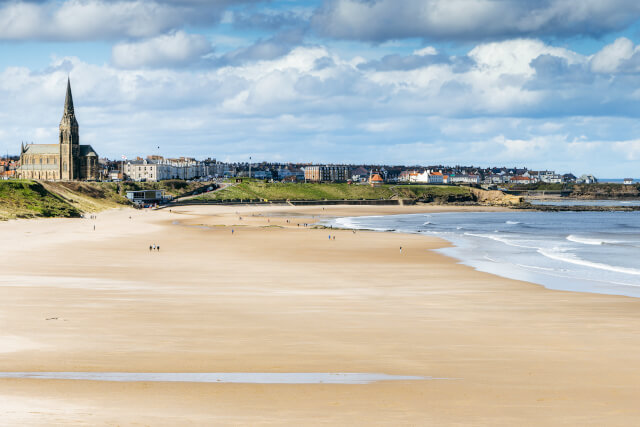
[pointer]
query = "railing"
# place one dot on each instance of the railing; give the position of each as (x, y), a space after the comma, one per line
(288, 202)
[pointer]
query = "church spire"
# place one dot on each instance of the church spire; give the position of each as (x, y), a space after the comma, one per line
(68, 101)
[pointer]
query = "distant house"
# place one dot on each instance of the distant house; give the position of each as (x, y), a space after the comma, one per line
(587, 179)
(359, 174)
(464, 179)
(496, 179)
(376, 180)
(290, 175)
(550, 177)
(262, 174)
(435, 177)
(414, 176)
(404, 176)
(627, 181)
(518, 179)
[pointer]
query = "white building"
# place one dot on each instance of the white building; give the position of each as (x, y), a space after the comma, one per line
(425, 177)
(158, 170)
(550, 177)
(435, 177)
(587, 179)
(464, 179)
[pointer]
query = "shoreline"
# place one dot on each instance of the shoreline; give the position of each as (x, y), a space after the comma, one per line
(452, 249)
(274, 297)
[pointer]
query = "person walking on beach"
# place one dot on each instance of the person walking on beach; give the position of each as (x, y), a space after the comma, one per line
(150, 248)
(329, 236)
(232, 231)
(158, 248)
(400, 249)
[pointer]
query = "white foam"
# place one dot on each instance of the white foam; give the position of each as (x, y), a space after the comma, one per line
(588, 241)
(500, 239)
(573, 259)
(513, 222)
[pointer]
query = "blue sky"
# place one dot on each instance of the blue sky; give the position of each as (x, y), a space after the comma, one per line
(549, 84)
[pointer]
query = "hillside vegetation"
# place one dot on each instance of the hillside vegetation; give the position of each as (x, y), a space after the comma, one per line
(26, 199)
(173, 187)
(252, 190)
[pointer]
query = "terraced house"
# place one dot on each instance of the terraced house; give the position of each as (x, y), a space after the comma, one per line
(65, 161)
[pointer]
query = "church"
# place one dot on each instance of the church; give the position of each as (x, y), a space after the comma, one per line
(65, 161)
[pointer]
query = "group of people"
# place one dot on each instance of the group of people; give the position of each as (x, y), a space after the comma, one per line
(154, 248)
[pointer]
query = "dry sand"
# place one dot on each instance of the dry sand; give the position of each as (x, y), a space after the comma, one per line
(275, 297)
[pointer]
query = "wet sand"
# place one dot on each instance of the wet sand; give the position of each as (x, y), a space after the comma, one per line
(277, 298)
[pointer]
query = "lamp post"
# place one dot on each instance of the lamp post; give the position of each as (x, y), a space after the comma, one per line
(249, 167)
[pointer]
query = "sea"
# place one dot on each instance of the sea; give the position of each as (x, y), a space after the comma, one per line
(573, 251)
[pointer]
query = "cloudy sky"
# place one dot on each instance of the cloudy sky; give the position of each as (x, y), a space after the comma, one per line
(546, 84)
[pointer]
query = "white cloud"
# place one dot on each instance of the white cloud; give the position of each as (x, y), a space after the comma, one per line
(175, 49)
(515, 56)
(629, 149)
(429, 50)
(380, 20)
(612, 57)
(102, 19)
(312, 104)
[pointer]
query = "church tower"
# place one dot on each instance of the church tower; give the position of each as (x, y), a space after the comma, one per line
(69, 140)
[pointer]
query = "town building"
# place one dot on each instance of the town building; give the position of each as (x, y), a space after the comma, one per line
(587, 179)
(157, 168)
(435, 177)
(375, 180)
(360, 174)
(328, 173)
(464, 179)
(519, 179)
(145, 196)
(65, 161)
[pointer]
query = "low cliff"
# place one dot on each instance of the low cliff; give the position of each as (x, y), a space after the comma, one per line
(606, 191)
(495, 198)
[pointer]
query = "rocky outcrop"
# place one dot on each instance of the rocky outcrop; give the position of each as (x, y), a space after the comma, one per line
(495, 198)
(606, 191)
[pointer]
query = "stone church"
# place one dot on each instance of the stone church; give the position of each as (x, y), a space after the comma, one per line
(65, 161)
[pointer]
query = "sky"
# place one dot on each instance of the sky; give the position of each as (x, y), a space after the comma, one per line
(547, 84)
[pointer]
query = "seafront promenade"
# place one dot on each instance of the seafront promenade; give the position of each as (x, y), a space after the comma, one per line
(275, 297)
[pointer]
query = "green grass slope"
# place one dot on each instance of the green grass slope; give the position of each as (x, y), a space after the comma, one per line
(332, 191)
(26, 199)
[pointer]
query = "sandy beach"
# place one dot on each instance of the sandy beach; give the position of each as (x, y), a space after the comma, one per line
(277, 297)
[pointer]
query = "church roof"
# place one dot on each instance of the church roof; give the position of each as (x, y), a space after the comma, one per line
(42, 149)
(87, 151)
